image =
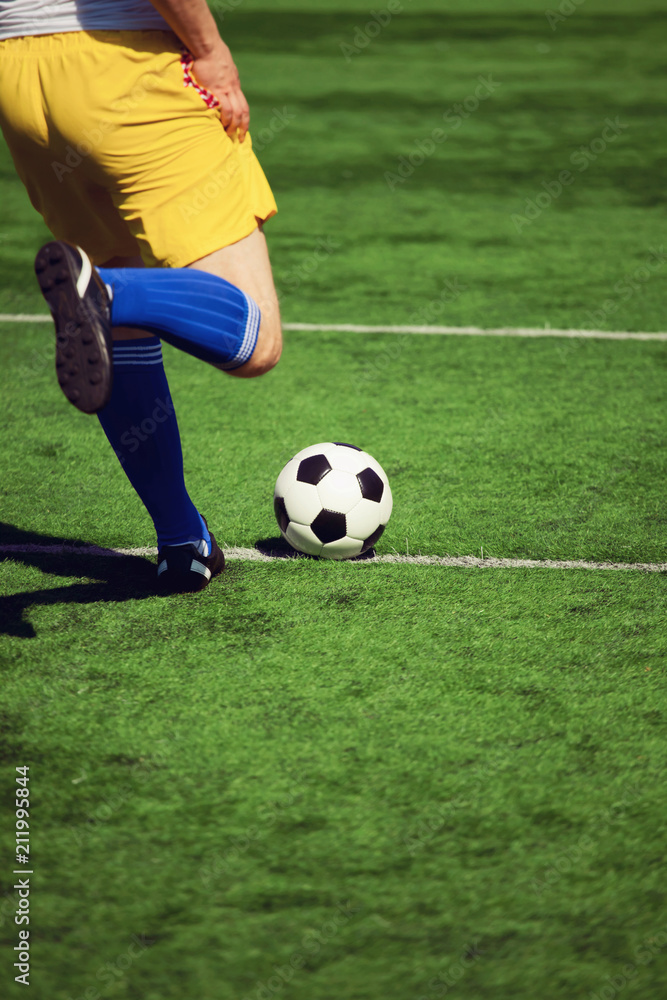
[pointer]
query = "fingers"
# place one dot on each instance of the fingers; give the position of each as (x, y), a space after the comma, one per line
(235, 113)
(219, 76)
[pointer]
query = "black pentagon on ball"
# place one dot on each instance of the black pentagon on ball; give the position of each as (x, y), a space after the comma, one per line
(371, 485)
(281, 513)
(372, 539)
(343, 444)
(329, 526)
(313, 470)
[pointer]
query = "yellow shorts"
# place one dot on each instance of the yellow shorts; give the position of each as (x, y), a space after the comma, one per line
(121, 153)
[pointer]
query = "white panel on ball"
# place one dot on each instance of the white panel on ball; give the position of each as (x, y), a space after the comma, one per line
(363, 519)
(339, 491)
(346, 459)
(301, 537)
(286, 479)
(302, 502)
(342, 548)
(386, 504)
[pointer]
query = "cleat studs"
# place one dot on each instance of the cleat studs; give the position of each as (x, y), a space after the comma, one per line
(83, 372)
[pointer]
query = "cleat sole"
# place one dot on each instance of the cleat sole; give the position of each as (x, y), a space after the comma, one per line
(84, 352)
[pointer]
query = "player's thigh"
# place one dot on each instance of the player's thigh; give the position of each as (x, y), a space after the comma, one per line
(246, 264)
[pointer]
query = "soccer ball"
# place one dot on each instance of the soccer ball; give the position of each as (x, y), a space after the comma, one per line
(332, 500)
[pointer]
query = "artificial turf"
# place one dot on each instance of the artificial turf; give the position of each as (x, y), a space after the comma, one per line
(321, 780)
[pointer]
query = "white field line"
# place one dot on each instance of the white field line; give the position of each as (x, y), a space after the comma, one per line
(25, 318)
(453, 331)
(475, 331)
(254, 555)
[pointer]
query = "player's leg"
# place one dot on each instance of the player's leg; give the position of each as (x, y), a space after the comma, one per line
(140, 424)
(197, 310)
(124, 382)
(139, 419)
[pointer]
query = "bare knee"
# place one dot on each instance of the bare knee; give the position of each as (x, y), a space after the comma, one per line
(266, 354)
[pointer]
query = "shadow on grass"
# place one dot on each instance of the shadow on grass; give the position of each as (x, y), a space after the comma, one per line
(95, 577)
(101, 578)
(278, 548)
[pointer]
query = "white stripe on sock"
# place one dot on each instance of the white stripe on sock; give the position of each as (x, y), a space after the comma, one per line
(126, 345)
(124, 360)
(127, 355)
(249, 336)
(137, 354)
(131, 352)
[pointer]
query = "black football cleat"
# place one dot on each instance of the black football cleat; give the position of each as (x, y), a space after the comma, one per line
(81, 310)
(182, 569)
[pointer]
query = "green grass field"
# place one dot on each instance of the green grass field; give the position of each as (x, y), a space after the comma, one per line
(371, 781)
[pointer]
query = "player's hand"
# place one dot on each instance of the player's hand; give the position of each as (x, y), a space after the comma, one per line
(217, 72)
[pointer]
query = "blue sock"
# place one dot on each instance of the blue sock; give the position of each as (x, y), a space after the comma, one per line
(195, 311)
(140, 423)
